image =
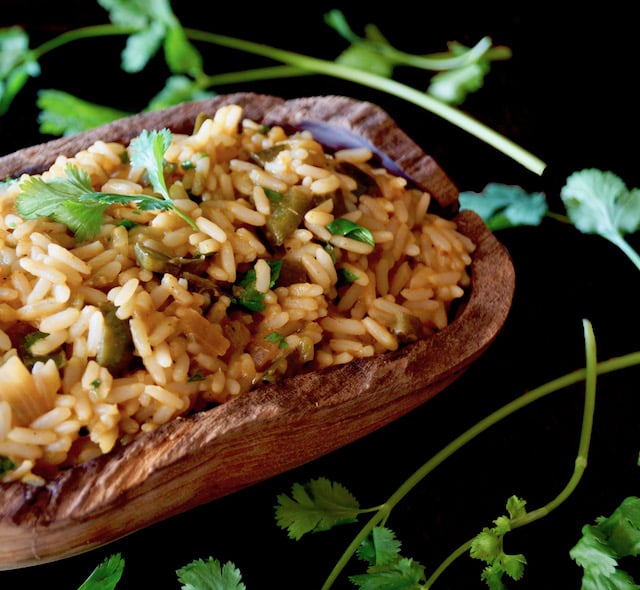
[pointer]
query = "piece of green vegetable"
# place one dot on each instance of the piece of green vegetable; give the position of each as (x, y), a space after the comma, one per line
(158, 262)
(286, 214)
(116, 348)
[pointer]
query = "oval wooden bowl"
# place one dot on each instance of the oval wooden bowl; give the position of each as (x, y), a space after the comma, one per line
(270, 430)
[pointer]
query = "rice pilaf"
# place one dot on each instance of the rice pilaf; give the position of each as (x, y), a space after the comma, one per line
(105, 339)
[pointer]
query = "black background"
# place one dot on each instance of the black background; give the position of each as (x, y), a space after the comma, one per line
(569, 96)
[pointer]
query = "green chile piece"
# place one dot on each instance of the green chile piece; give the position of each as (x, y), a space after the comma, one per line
(155, 261)
(116, 349)
(287, 213)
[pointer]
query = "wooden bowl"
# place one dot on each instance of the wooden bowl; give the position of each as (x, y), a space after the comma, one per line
(196, 459)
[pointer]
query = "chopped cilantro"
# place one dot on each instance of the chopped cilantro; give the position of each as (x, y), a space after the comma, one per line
(126, 223)
(346, 276)
(245, 292)
(349, 229)
(197, 376)
(105, 576)
(276, 337)
(32, 337)
(6, 465)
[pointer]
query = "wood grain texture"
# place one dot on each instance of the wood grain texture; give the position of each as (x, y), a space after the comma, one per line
(197, 459)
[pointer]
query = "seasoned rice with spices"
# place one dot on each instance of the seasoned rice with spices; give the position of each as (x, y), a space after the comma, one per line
(195, 315)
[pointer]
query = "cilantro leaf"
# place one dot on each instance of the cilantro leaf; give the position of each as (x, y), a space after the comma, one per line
(453, 86)
(604, 543)
(245, 292)
(276, 338)
(17, 64)
(380, 548)
(403, 574)
(156, 26)
(488, 547)
(461, 70)
(181, 56)
(147, 151)
(178, 89)
(599, 202)
(135, 14)
(84, 219)
(58, 198)
(503, 206)
(141, 47)
(6, 465)
(345, 227)
(106, 576)
(149, 19)
(317, 506)
(64, 114)
(41, 198)
(210, 575)
(361, 53)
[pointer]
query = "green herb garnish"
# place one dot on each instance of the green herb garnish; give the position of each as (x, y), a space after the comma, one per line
(245, 292)
(210, 574)
(72, 201)
(345, 276)
(106, 575)
(349, 229)
(606, 542)
(272, 195)
(276, 337)
(6, 465)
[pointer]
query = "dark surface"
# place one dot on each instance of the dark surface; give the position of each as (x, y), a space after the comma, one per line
(567, 96)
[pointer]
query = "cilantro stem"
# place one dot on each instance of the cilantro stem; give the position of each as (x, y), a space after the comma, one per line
(419, 98)
(585, 434)
(267, 73)
(78, 34)
(625, 247)
(580, 464)
(565, 381)
(434, 62)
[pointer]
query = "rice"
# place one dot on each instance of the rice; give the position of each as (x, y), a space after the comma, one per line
(107, 339)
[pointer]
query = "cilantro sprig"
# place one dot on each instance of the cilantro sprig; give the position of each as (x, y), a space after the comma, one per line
(368, 61)
(599, 202)
(71, 199)
(607, 541)
(596, 202)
